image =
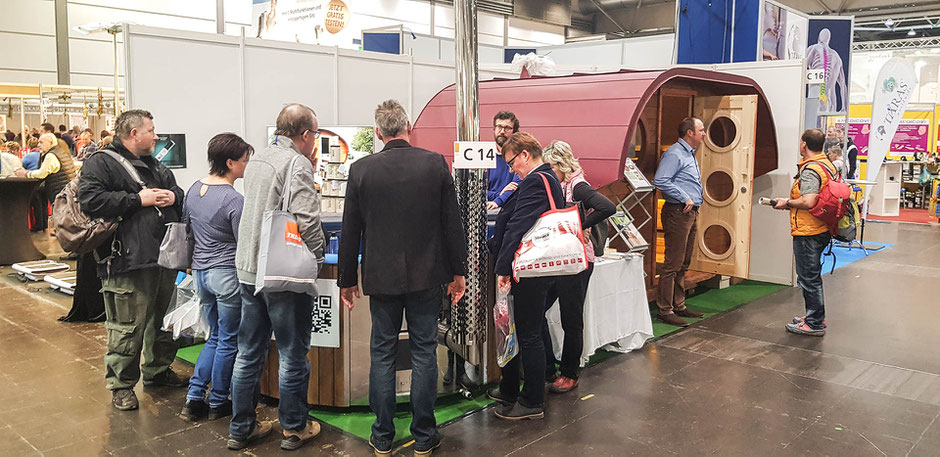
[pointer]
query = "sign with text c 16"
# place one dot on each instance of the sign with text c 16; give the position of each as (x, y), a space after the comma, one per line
(474, 155)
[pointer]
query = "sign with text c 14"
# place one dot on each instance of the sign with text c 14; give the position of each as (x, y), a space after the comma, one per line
(474, 154)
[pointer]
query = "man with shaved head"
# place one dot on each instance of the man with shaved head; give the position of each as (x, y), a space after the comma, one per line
(287, 314)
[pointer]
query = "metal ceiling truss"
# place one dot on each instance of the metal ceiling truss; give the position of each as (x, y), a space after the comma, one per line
(897, 44)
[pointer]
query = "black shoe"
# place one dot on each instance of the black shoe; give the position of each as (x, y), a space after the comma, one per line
(124, 399)
(168, 378)
(496, 395)
(516, 411)
(379, 452)
(672, 319)
(429, 448)
(261, 430)
(194, 410)
(223, 410)
(689, 313)
(465, 383)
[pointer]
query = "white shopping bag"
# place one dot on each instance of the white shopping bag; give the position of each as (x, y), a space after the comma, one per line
(554, 246)
(185, 316)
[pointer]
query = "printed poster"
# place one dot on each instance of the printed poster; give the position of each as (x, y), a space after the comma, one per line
(858, 130)
(784, 33)
(912, 136)
(321, 22)
(829, 50)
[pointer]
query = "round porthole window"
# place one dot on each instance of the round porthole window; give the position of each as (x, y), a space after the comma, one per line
(719, 188)
(717, 241)
(722, 133)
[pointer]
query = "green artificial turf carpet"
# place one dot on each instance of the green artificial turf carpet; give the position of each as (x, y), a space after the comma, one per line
(357, 419)
(716, 301)
(190, 353)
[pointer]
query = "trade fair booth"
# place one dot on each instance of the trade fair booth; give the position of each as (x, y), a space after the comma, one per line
(610, 120)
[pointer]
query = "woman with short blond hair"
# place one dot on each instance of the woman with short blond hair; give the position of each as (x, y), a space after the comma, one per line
(571, 290)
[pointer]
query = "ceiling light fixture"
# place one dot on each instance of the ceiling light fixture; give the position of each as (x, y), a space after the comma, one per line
(889, 23)
(911, 32)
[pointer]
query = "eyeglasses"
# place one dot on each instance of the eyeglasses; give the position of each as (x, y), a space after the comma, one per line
(316, 133)
(503, 128)
(509, 162)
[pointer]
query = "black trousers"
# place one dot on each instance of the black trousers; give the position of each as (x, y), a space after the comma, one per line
(570, 292)
(87, 302)
(528, 297)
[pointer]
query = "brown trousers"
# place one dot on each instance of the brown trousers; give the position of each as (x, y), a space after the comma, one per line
(679, 231)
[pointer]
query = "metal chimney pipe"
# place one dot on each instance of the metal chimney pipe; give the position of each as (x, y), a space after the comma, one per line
(470, 314)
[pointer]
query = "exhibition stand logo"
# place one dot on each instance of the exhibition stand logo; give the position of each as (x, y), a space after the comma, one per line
(889, 85)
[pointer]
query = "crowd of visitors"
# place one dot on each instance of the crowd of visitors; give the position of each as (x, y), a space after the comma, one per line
(415, 258)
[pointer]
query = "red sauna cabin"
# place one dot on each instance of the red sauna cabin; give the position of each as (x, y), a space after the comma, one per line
(633, 115)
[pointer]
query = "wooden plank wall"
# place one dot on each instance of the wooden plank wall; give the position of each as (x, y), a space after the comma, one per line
(327, 385)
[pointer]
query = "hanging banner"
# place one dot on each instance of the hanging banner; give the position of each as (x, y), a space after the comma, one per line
(893, 89)
(323, 22)
(784, 33)
(829, 52)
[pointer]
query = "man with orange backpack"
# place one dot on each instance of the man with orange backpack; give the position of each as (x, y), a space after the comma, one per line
(811, 234)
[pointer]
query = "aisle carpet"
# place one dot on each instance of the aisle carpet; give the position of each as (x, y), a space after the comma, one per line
(912, 215)
(358, 419)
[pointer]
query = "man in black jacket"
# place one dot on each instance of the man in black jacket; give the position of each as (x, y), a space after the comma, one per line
(136, 290)
(402, 204)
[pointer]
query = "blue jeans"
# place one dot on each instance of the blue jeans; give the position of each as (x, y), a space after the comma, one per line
(807, 250)
(421, 310)
(221, 299)
(289, 315)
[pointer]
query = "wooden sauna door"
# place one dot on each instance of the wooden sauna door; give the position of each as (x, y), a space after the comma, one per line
(726, 157)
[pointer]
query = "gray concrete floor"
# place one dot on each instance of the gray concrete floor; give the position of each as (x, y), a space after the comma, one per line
(736, 384)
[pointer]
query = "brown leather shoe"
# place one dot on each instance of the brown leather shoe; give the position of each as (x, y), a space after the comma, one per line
(672, 319)
(689, 313)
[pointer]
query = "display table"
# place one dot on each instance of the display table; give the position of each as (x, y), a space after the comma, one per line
(17, 245)
(616, 313)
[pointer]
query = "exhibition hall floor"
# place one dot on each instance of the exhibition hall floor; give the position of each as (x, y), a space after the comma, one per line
(734, 384)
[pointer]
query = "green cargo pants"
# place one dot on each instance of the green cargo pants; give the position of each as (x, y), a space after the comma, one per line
(135, 303)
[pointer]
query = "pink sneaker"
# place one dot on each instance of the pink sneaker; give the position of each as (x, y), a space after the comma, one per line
(803, 329)
(800, 319)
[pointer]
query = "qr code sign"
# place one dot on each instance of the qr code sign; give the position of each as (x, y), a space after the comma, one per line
(325, 317)
(322, 316)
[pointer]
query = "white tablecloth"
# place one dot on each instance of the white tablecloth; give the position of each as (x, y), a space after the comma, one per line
(616, 313)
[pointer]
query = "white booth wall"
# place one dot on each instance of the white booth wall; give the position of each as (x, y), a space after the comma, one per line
(240, 84)
(221, 83)
(28, 27)
(641, 53)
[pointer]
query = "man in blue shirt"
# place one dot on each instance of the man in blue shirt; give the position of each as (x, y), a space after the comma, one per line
(680, 181)
(502, 182)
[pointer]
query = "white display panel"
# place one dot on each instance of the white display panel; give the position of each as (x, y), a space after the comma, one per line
(771, 245)
(193, 90)
(224, 88)
(366, 83)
